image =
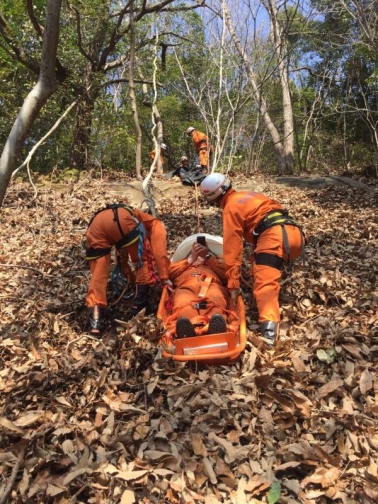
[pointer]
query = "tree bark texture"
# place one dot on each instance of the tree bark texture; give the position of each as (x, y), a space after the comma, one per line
(280, 48)
(79, 156)
(259, 99)
(133, 102)
(38, 96)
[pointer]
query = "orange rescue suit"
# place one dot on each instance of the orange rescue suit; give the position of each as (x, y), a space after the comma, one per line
(203, 147)
(153, 154)
(103, 233)
(242, 213)
(194, 284)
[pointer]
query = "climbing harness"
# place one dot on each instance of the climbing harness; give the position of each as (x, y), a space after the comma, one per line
(276, 218)
(137, 235)
(126, 239)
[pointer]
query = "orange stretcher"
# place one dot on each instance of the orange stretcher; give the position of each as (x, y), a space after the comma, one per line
(224, 348)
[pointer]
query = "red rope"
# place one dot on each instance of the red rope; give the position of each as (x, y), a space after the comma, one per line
(150, 260)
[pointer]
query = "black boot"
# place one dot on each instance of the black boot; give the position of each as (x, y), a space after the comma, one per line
(269, 332)
(217, 324)
(184, 328)
(96, 320)
(141, 299)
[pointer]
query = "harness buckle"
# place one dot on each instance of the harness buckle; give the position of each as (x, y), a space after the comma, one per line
(201, 305)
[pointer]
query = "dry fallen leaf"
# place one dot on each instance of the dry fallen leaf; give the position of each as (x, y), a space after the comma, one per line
(366, 382)
(111, 420)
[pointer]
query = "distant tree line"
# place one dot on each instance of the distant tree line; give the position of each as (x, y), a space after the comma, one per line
(283, 87)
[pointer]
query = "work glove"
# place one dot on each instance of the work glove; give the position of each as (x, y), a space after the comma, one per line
(234, 293)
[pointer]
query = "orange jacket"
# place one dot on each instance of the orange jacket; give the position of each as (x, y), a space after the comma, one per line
(152, 156)
(103, 232)
(201, 141)
(182, 272)
(242, 212)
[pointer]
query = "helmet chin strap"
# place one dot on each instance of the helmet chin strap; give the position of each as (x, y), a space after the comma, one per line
(215, 202)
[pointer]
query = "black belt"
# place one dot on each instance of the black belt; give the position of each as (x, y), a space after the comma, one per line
(274, 218)
(95, 253)
(128, 239)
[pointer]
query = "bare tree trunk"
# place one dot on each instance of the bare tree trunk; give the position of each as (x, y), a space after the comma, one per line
(280, 48)
(134, 108)
(80, 148)
(156, 120)
(278, 146)
(38, 96)
(288, 120)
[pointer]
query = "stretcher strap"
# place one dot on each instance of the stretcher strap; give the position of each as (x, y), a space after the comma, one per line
(205, 287)
(201, 322)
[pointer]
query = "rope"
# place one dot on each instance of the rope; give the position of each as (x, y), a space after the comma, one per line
(197, 206)
(121, 286)
(150, 260)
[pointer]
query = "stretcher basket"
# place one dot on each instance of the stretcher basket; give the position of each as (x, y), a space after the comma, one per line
(215, 349)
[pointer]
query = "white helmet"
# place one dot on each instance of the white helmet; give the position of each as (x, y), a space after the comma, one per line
(190, 130)
(184, 158)
(163, 146)
(214, 185)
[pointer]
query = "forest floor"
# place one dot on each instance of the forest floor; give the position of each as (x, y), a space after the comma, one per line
(111, 421)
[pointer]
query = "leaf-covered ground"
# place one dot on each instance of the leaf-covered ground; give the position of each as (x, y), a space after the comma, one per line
(85, 421)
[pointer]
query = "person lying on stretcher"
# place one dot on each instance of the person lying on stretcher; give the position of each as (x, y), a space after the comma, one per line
(199, 299)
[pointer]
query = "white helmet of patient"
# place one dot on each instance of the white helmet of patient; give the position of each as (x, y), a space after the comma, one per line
(214, 185)
(214, 243)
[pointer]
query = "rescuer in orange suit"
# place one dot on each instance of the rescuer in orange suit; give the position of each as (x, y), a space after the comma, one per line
(138, 237)
(163, 150)
(202, 145)
(199, 297)
(276, 237)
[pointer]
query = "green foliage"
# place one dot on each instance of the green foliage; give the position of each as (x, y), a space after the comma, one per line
(341, 82)
(274, 492)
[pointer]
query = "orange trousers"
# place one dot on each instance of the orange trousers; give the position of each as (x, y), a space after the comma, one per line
(204, 157)
(103, 232)
(96, 294)
(266, 279)
(186, 296)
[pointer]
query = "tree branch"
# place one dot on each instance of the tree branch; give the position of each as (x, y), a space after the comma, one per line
(44, 138)
(79, 37)
(38, 28)
(16, 51)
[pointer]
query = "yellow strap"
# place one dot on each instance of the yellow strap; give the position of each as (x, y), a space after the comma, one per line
(205, 286)
(94, 258)
(275, 214)
(130, 242)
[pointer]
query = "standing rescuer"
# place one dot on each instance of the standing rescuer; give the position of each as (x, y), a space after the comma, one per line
(275, 236)
(202, 145)
(163, 151)
(138, 237)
